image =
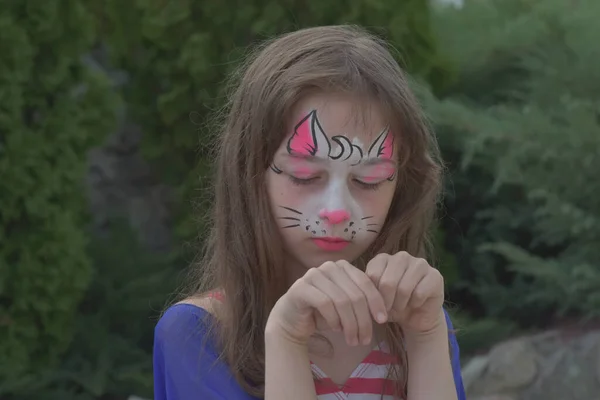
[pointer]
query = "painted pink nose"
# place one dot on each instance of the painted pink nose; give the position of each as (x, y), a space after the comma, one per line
(334, 216)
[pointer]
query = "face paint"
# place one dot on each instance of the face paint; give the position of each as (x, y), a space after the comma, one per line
(331, 211)
(377, 173)
(299, 169)
(334, 216)
(309, 140)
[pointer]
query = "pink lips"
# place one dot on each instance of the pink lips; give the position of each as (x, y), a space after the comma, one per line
(331, 243)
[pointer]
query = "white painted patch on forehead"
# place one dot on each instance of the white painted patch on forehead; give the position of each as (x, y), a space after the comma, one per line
(345, 150)
(309, 140)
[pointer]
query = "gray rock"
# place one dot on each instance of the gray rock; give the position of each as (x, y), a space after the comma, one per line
(494, 397)
(598, 362)
(549, 365)
(567, 369)
(474, 370)
(511, 365)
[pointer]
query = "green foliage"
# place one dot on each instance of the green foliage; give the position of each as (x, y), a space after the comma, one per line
(479, 334)
(179, 53)
(111, 349)
(521, 128)
(445, 261)
(52, 109)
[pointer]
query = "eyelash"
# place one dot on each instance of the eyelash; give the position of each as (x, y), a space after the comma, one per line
(363, 185)
(302, 182)
(368, 186)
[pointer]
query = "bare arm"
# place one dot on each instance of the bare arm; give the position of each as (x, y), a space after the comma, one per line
(328, 292)
(430, 370)
(287, 370)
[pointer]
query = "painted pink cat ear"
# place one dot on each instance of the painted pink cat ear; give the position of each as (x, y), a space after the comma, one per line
(383, 146)
(308, 138)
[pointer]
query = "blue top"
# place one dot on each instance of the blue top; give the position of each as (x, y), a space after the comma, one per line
(184, 363)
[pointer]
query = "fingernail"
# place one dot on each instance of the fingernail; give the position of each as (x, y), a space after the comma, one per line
(366, 341)
(381, 318)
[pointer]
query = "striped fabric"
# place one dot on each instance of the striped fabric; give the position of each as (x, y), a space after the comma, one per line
(367, 382)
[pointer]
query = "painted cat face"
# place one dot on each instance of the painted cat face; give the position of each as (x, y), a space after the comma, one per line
(332, 180)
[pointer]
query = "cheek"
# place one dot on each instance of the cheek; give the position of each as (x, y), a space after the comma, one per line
(282, 192)
(376, 202)
(277, 195)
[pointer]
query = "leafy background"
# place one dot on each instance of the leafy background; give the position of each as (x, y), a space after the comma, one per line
(511, 86)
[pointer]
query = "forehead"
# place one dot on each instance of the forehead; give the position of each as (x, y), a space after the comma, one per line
(360, 120)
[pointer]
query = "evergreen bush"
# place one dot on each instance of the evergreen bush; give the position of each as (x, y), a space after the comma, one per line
(521, 128)
(52, 110)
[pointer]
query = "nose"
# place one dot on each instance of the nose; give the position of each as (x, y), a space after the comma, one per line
(334, 216)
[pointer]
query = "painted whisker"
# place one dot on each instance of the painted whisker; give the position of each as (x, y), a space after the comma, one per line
(291, 209)
(291, 226)
(370, 216)
(371, 230)
(290, 218)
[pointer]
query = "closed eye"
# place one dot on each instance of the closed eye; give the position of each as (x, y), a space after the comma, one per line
(303, 181)
(367, 185)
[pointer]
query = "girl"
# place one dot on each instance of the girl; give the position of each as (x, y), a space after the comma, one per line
(315, 284)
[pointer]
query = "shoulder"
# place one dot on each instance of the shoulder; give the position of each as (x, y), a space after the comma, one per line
(180, 315)
(192, 315)
(184, 323)
(186, 358)
(187, 321)
(183, 340)
(207, 303)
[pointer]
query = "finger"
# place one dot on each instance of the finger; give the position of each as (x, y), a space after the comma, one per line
(431, 286)
(360, 307)
(375, 267)
(341, 301)
(319, 301)
(416, 271)
(374, 299)
(393, 274)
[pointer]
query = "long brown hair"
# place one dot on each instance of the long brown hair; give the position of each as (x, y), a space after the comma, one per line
(244, 253)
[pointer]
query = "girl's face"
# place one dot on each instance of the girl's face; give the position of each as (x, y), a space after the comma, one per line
(332, 179)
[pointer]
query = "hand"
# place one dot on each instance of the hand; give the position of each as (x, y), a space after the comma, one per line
(337, 294)
(412, 290)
